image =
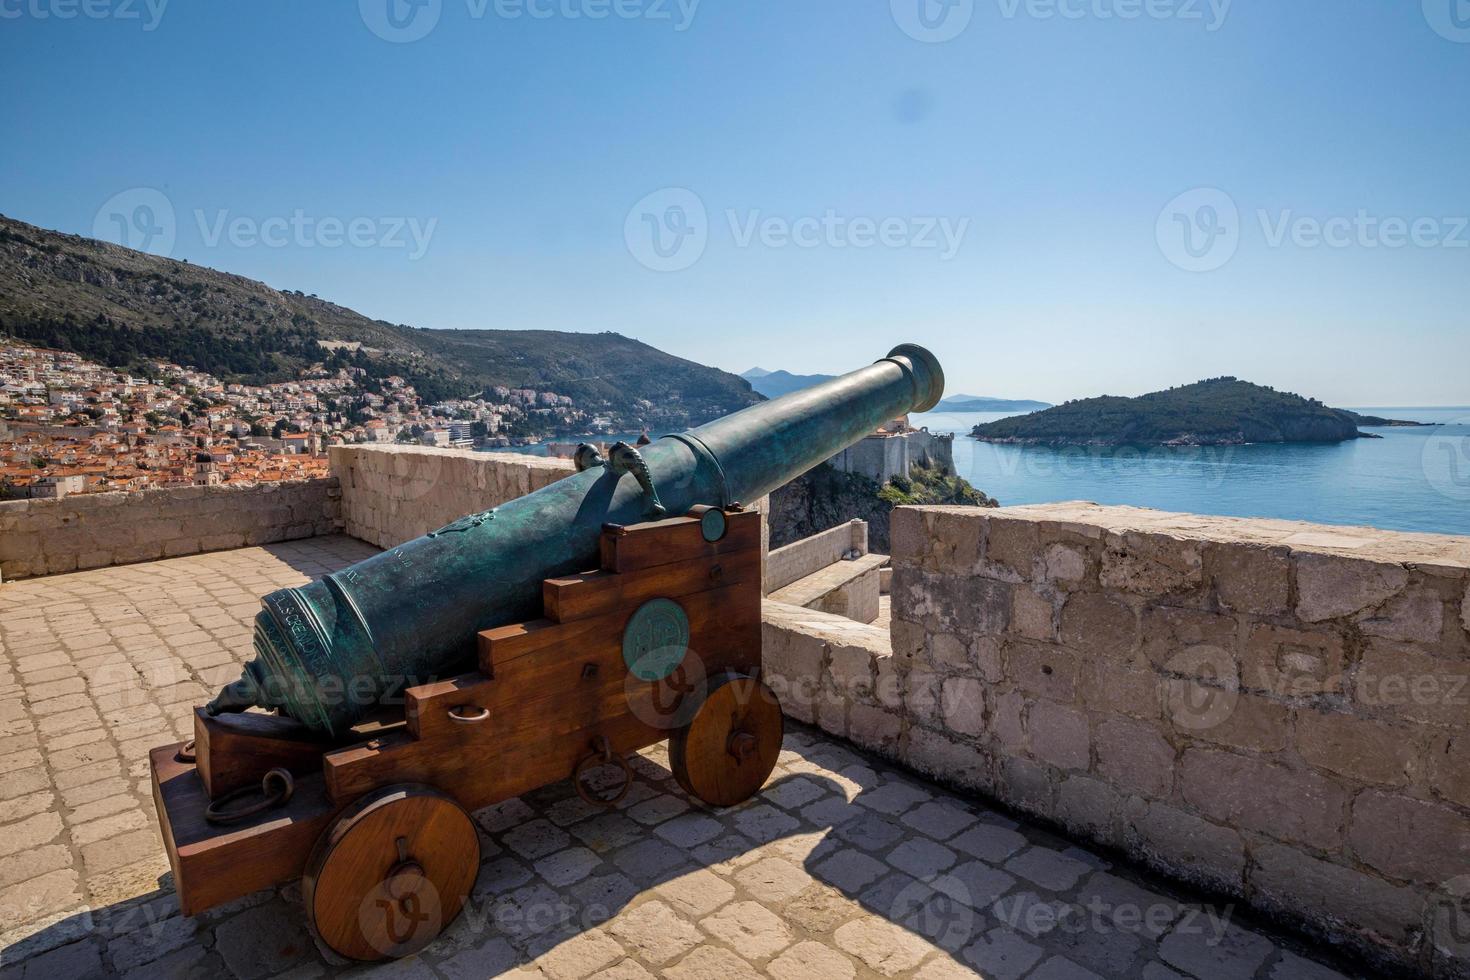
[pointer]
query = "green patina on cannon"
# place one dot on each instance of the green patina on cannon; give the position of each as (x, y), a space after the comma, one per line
(328, 652)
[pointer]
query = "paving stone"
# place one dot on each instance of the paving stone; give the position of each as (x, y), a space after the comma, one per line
(1029, 913)
(580, 956)
(263, 941)
(1047, 868)
(749, 927)
(606, 832)
(763, 823)
(989, 842)
(711, 963)
(690, 830)
(654, 932)
(1293, 967)
(820, 909)
(850, 870)
(793, 793)
(658, 809)
(535, 838)
(649, 860)
(974, 883)
(1002, 954)
(870, 832)
(697, 893)
(893, 798)
(1230, 953)
(881, 945)
(626, 970)
(773, 880)
(938, 819)
(809, 960)
(1061, 968)
(568, 866)
(601, 896)
(487, 960)
(921, 858)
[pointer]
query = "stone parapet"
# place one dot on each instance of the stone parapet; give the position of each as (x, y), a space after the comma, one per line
(1276, 711)
(81, 531)
(393, 494)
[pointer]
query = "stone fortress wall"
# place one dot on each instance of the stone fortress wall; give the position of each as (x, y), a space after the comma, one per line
(44, 536)
(1276, 711)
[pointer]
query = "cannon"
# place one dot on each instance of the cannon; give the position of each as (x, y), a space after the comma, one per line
(533, 642)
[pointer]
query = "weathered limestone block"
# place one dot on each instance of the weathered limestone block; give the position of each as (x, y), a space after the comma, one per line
(1449, 767)
(962, 705)
(949, 604)
(922, 696)
(1185, 845)
(1416, 615)
(1026, 785)
(1150, 564)
(1059, 735)
(1384, 824)
(1064, 564)
(1120, 690)
(1091, 808)
(946, 759)
(1248, 578)
(1014, 545)
(874, 728)
(1008, 721)
(1136, 757)
(1285, 804)
(1042, 669)
(1171, 639)
(1331, 586)
(1368, 750)
(1293, 663)
(1032, 614)
(1291, 881)
(1100, 626)
(1244, 721)
(1405, 681)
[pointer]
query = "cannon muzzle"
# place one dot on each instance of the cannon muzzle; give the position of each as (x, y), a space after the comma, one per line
(328, 652)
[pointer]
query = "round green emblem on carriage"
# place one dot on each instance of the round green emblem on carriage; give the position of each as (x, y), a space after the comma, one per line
(712, 524)
(656, 639)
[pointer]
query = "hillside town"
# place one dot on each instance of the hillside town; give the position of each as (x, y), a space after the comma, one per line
(68, 425)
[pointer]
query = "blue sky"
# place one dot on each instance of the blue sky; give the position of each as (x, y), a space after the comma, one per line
(1009, 183)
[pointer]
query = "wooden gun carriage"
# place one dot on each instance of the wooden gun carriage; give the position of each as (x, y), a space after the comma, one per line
(662, 642)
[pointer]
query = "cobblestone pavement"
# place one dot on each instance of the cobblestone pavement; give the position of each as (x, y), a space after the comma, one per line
(841, 868)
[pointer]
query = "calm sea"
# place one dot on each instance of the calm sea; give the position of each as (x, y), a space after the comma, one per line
(1410, 480)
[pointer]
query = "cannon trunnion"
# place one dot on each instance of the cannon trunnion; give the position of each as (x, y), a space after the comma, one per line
(662, 642)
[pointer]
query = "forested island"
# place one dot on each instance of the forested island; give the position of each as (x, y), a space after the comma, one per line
(1218, 411)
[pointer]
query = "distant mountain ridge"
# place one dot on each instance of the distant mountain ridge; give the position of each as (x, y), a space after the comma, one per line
(1218, 411)
(774, 384)
(117, 306)
(980, 403)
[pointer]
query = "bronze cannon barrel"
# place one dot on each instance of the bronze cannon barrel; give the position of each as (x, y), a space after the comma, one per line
(328, 652)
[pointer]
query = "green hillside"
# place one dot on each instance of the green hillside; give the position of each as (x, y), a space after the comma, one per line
(120, 306)
(1217, 411)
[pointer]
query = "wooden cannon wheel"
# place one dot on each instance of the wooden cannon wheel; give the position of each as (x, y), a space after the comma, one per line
(727, 751)
(393, 870)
